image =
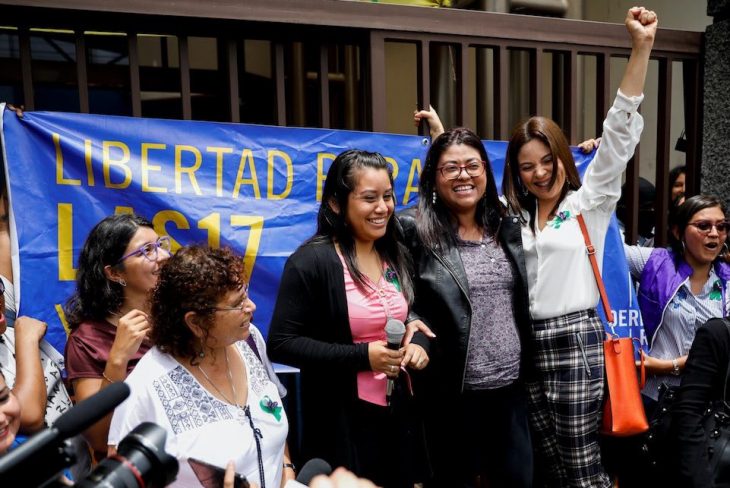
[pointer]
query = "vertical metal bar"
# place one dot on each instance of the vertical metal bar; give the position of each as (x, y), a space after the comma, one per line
(501, 92)
(570, 103)
(26, 68)
(187, 109)
(352, 120)
(297, 74)
(324, 86)
(603, 89)
(664, 114)
(231, 46)
(279, 74)
(81, 72)
(377, 81)
(536, 56)
(484, 118)
(423, 65)
(693, 102)
(134, 85)
(466, 103)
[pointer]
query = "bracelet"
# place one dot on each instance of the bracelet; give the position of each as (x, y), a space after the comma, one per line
(103, 375)
(675, 366)
(290, 466)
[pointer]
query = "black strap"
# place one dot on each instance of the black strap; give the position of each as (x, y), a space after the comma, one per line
(257, 437)
(252, 344)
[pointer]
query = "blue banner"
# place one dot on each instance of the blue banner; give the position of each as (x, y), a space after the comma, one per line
(253, 188)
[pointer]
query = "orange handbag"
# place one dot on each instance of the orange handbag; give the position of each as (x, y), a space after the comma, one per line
(623, 410)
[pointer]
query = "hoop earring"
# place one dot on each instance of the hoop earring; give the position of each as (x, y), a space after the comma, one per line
(122, 282)
(726, 249)
(433, 198)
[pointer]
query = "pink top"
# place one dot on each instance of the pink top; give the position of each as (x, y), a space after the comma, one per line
(368, 312)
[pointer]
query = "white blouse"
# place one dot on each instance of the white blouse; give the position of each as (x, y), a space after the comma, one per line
(199, 425)
(559, 275)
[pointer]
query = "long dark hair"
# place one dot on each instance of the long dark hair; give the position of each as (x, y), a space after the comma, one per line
(435, 221)
(547, 132)
(194, 279)
(684, 214)
(332, 226)
(96, 296)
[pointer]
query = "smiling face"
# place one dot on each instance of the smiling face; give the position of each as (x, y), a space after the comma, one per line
(9, 416)
(702, 248)
(678, 186)
(231, 318)
(138, 271)
(370, 205)
(535, 164)
(460, 195)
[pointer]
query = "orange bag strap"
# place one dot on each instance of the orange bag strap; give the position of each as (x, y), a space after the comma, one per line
(643, 369)
(594, 264)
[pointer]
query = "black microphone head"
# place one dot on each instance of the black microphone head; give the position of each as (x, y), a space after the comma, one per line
(395, 330)
(313, 467)
(87, 412)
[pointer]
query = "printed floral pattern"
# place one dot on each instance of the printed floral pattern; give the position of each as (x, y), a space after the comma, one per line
(679, 298)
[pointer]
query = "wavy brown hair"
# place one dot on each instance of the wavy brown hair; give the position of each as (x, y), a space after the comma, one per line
(549, 133)
(195, 279)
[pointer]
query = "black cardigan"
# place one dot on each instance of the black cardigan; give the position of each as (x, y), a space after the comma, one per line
(310, 329)
(703, 381)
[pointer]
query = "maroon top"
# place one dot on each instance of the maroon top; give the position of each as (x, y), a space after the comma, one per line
(87, 350)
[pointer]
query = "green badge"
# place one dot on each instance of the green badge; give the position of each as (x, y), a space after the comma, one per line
(716, 293)
(270, 406)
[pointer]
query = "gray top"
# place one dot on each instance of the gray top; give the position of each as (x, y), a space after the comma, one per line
(493, 357)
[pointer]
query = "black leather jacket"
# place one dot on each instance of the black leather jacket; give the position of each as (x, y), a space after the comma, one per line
(442, 300)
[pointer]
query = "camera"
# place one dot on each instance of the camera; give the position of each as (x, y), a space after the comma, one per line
(140, 460)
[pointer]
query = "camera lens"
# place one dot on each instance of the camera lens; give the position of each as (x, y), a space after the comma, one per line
(141, 460)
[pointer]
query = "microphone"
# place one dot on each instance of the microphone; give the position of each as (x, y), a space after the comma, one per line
(312, 468)
(394, 331)
(44, 455)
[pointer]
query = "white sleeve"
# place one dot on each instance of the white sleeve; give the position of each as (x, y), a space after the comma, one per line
(128, 415)
(636, 258)
(621, 132)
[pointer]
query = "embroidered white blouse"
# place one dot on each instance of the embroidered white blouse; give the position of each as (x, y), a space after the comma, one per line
(199, 425)
(559, 275)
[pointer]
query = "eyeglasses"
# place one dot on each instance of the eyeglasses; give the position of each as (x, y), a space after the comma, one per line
(149, 250)
(240, 308)
(453, 171)
(705, 226)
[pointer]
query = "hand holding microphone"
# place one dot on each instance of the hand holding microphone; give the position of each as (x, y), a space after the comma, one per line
(384, 360)
(394, 332)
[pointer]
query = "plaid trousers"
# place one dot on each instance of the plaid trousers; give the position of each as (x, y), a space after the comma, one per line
(565, 401)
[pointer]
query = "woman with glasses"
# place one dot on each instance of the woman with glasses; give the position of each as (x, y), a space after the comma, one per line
(205, 381)
(681, 288)
(108, 314)
(337, 293)
(470, 289)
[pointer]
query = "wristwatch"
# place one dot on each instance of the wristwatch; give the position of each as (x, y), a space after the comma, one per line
(675, 366)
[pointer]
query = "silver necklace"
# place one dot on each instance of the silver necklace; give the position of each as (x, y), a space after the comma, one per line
(230, 381)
